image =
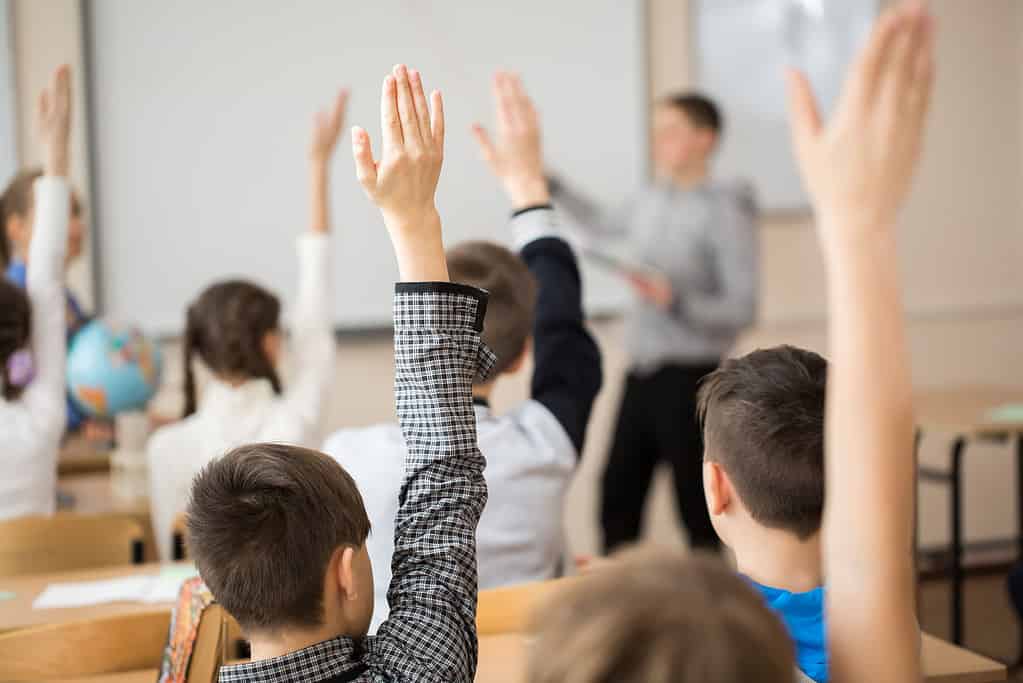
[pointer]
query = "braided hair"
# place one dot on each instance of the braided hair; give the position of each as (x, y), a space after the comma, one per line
(226, 326)
(15, 327)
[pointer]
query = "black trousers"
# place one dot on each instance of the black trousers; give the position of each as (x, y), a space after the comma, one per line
(657, 423)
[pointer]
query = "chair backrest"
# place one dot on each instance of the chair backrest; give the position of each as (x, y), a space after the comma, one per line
(68, 541)
(209, 650)
(179, 537)
(509, 609)
(111, 644)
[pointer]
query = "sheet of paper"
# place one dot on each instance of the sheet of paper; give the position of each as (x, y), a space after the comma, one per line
(83, 593)
(150, 588)
(1012, 412)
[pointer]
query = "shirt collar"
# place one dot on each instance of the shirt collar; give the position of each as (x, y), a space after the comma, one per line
(338, 658)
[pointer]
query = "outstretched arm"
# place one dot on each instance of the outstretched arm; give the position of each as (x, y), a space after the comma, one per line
(567, 370)
(431, 632)
(45, 396)
(312, 340)
(857, 168)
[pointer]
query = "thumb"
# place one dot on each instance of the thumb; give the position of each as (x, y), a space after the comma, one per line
(804, 116)
(483, 140)
(365, 167)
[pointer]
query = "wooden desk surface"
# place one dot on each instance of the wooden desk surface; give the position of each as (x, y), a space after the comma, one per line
(503, 660)
(81, 456)
(967, 409)
(17, 612)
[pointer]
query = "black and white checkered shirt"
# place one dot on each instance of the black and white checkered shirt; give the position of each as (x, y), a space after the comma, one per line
(431, 633)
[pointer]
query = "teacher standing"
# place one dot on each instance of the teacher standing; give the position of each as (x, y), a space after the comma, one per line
(699, 237)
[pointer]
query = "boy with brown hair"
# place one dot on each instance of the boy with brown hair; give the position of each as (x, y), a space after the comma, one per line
(535, 303)
(278, 532)
(858, 169)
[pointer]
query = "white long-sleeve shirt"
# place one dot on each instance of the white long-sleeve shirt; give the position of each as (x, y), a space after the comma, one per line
(233, 415)
(31, 426)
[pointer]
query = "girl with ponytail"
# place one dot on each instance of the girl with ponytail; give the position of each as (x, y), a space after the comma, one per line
(32, 333)
(233, 330)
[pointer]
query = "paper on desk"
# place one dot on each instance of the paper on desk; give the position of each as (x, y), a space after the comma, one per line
(153, 588)
(1012, 412)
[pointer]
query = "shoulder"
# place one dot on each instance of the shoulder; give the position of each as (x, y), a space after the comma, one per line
(171, 437)
(538, 426)
(736, 192)
(365, 444)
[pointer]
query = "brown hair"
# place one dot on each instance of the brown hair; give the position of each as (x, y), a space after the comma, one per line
(763, 421)
(512, 306)
(701, 111)
(15, 328)
(263, 523)
(225, 327)
(659, 616)
(18, 200)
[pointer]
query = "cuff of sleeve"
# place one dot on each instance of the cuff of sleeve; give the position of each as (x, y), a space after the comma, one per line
(534, 223)
(438, 305)
(313, 246)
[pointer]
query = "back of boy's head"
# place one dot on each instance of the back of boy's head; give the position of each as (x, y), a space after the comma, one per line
(701, 111)
(658, 616)
(15, 329)
(263, 523)
(511, 308)
(763, 423)
(226, 327)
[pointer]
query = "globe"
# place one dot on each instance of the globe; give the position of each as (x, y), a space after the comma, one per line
(112, 369)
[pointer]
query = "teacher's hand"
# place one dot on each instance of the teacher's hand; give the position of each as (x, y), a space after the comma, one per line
(654, 288)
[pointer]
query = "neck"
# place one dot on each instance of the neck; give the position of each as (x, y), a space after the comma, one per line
(778, 559)
(270, 645)
(689, 177)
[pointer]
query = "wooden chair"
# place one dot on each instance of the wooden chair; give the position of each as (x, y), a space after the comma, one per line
(68, 541)
(179, 548)
(508, 609)
(110, 644)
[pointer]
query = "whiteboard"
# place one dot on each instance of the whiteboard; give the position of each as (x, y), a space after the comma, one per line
(8, 122)
(202, 112)
(743, 48)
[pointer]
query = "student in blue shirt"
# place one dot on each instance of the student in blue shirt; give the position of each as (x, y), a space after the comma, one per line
(16, 216)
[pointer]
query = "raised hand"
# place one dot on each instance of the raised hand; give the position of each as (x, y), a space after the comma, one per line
(404, 181)
(327, 129)
(858, 166)
(53, 122)
(516, 155)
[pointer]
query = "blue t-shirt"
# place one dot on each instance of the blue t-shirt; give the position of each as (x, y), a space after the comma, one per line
(17, 273)
(803, 614)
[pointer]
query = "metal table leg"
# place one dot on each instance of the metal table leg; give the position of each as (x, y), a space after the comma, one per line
(956, 503)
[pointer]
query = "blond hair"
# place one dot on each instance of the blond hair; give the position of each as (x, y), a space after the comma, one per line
(658, 616)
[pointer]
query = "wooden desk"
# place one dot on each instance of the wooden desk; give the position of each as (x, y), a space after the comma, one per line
(946, 663)
(965, 413)
(141, 676)
(17, 612)
(81, 456)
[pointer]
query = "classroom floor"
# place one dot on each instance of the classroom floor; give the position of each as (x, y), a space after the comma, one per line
(991, 626)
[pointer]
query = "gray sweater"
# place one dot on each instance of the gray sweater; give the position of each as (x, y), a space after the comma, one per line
(705, 241)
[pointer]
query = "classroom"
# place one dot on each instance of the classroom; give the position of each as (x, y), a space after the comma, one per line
(582, 341)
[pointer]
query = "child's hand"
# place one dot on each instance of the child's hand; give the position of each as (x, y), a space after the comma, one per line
(655, 288)
(403, 183)
(327, 129)
(517, 155)
(53, 122)
(858, 167)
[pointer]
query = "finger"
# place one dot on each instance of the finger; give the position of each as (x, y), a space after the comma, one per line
(898, 68)
(337, 115)
(525, 104)
(868, 67)
(502, 103)
(422, 109)
(43, 103)
(319, 122)
(362, 152)
(510, 101)
(390, 126)
(437, 120)
(483, 140)
(923, 74)
(407, 110)
(804, 115)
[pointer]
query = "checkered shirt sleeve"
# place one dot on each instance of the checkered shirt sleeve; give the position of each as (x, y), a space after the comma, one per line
(431, 632)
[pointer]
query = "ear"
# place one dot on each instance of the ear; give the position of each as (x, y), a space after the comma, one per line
(271, 344)
(717, 488)
(520, 360)
(348, 588)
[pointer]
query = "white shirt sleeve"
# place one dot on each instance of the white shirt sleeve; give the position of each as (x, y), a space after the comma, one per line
(44, 397)
(312, 341)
